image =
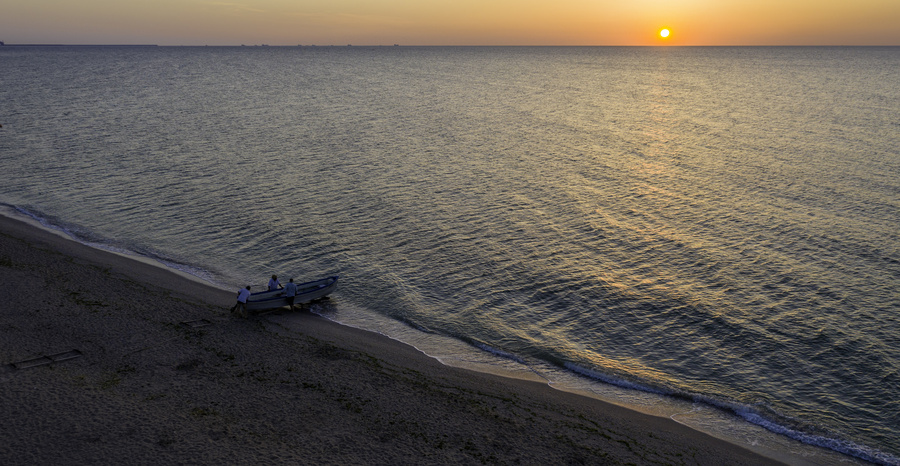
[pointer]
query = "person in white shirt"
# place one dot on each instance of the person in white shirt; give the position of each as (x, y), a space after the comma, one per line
(290, 292)
(241, 306)
(274, 284)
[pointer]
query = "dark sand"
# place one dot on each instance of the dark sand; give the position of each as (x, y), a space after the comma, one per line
(141, 387)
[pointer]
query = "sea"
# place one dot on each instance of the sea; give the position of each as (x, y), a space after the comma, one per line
(710, 234)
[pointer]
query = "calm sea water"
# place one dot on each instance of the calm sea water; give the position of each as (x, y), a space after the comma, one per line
(718, 226)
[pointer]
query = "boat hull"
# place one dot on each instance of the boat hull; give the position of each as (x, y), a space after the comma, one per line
(306, 292)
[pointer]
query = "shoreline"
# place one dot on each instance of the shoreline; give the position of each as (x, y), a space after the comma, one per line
(158, 370)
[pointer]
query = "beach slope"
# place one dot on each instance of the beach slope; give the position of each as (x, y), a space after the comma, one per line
(110, 360)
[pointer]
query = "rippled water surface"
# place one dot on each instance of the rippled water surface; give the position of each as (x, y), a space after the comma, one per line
(714, 224)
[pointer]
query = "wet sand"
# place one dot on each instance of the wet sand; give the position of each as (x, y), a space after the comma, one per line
(106, 359)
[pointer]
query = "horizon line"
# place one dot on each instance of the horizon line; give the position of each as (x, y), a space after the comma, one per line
(2, 44)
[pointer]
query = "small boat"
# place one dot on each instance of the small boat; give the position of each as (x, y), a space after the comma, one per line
(306, 292)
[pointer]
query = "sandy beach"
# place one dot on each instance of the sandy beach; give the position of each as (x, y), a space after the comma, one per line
(109, 360)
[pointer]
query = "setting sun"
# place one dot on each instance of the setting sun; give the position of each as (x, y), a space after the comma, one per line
(664, 33)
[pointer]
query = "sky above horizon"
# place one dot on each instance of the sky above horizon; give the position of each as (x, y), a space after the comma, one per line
(451, 22)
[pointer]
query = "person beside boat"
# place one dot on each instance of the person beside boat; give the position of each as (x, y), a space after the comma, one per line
(274, 284)
(290, 292)
(241, 306)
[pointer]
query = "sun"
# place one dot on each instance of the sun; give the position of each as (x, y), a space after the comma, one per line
(664, 33)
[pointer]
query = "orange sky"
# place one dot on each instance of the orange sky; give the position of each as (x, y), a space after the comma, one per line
(451, 22)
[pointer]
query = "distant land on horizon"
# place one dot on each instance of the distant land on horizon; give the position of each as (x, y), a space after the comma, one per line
(77, 45)
(3, 44)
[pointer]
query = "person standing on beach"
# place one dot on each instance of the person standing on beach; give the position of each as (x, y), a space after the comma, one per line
(274, 284)
(241, 305)
(290, 292)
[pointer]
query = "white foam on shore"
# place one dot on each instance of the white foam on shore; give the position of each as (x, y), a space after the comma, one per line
(190, 273)
(696, 414)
